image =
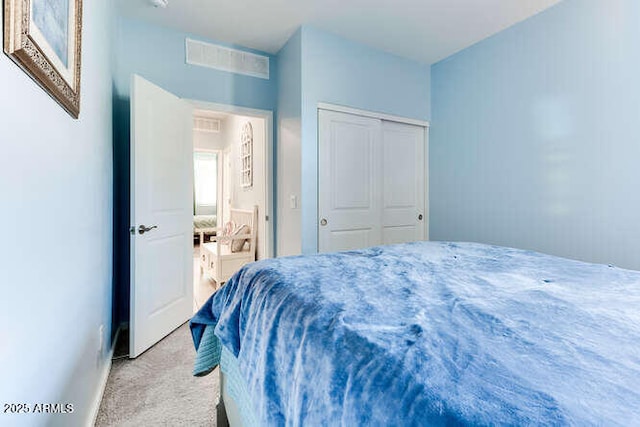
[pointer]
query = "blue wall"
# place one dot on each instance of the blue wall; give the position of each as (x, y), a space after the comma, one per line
(158, 55)
(343, 72)
(534, 137)
(55, 222)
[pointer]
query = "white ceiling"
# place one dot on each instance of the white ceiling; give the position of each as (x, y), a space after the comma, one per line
(424, 30)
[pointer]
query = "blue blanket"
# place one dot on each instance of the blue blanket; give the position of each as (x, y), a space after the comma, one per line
(432, 334)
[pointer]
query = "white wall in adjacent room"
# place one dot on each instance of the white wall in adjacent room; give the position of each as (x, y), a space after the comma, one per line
(246, 198)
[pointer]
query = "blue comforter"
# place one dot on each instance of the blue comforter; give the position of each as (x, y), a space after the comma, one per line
(433, 334)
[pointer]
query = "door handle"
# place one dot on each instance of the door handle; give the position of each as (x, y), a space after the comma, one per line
(420, 217)
(323, 222)
(142, 229)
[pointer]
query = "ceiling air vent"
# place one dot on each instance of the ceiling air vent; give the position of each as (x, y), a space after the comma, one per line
(206, 124)
(222, 58)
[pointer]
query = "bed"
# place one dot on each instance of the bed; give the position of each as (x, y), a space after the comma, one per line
(428, 333)
(204, 225)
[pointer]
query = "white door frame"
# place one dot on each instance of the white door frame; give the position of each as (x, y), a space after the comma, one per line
(373, 114)
(391, 118)
(267, 115)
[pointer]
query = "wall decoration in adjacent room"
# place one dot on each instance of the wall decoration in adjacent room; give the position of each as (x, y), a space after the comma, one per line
(246, 156)
(44, 38)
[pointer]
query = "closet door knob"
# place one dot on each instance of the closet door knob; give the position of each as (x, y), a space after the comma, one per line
(420, 217)
(323, 222)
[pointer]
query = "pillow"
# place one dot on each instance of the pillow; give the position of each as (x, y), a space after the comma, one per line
(237, 245)
(227, 231)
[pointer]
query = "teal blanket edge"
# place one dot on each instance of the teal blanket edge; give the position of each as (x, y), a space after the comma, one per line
(210, 353)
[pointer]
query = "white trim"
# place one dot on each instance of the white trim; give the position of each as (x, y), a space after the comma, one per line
(207, 150)
(372, 114)
(427, 212)
(267, 115)
(229, 108)
(102, 386)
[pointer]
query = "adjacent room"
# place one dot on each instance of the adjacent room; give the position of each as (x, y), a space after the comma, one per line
(230, 182)
(320, 213)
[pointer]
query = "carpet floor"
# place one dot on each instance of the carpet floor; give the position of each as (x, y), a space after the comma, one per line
(158, 389)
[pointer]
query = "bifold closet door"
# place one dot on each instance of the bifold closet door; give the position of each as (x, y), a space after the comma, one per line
(403, 210)
(349, 185)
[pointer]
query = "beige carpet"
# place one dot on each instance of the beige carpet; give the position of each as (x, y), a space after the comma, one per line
(157, 388)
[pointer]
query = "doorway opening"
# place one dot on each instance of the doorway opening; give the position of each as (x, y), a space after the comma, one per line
(231, 184)
(163, 206)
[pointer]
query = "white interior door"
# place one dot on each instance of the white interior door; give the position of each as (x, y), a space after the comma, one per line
(349, 185)
(161, 199)
(403, 153)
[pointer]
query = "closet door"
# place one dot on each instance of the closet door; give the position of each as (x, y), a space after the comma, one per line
(403, 206)
(349, 182)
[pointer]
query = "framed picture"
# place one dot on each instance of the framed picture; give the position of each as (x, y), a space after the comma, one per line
(44, 38)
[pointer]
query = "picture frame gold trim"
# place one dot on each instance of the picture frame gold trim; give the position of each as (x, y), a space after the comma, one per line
(21, 47)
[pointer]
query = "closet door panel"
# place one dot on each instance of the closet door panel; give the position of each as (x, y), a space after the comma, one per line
(349, 184)
(403, 206)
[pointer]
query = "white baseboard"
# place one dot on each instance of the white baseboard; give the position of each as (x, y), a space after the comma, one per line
(104, 377)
